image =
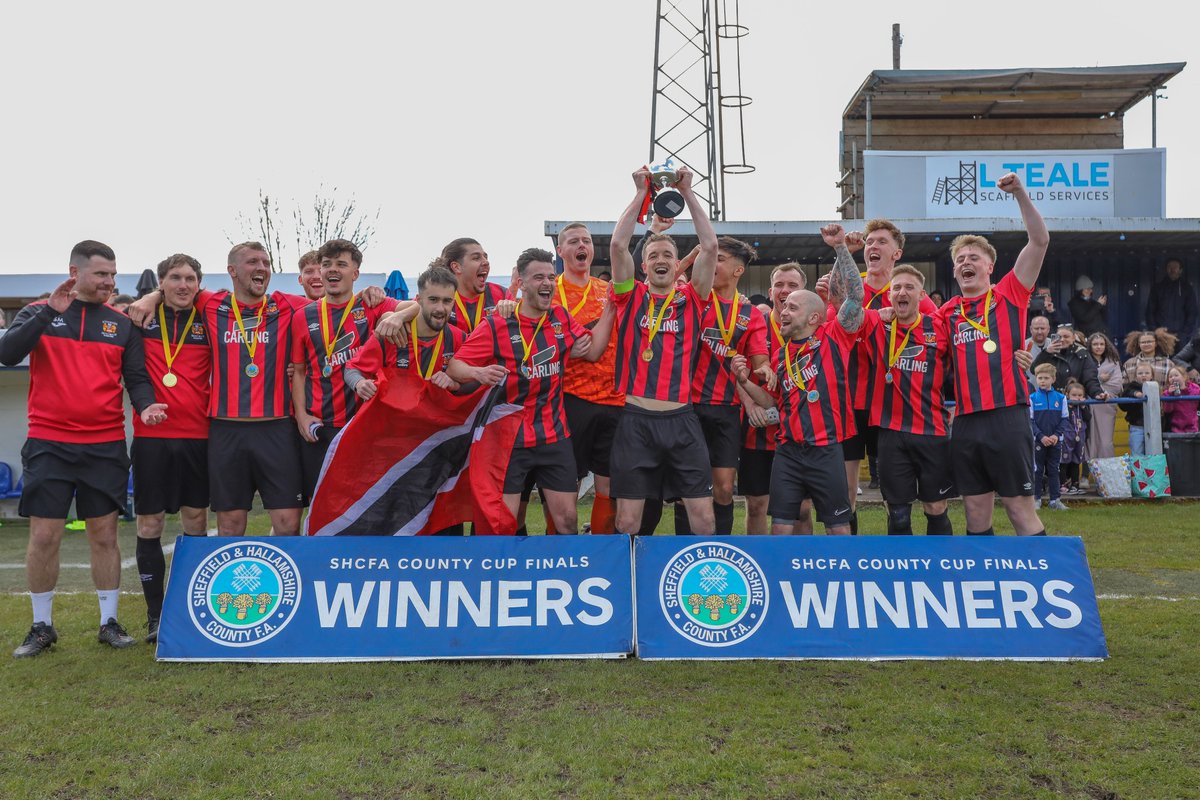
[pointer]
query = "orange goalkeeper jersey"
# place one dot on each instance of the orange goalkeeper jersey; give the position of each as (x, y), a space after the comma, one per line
(585, 380)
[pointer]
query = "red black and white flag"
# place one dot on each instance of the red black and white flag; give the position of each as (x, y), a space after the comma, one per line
(416, 459)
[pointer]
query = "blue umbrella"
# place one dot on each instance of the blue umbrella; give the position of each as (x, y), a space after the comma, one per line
(395, 287)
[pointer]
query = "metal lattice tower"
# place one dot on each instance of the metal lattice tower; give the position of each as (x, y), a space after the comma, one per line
(693, 41)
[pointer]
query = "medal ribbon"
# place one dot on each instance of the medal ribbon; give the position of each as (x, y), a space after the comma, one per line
(881, 293)
(656, 321)
(416, 350)
(162, 328)
(322, 312)
(796, 372)
(250, 342)
(462, 309)
(893, 351)
(985, 328)
(533, 339)
(726, 335)
(775, 330)
(562, 295)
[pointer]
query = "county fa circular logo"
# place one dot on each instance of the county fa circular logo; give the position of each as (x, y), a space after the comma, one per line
(244, 594)
(713, 594)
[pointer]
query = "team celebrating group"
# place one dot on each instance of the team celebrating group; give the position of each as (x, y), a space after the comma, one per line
(666, 384)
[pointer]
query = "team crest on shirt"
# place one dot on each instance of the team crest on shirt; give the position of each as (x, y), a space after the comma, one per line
(58, 322)
(271, 309)
(359, 314)
(930, 338)
(108, 328)
(244, 594)
(713, 594)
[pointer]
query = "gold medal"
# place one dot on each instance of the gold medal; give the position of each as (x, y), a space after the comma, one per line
(170, 353)
(989, 347)
(656, 321)
(251, 370)
(647, 354)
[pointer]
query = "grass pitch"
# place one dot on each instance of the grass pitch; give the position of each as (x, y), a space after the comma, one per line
(84, 721)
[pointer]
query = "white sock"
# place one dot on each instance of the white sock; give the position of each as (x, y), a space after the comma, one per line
(43, 605)
(108, 604)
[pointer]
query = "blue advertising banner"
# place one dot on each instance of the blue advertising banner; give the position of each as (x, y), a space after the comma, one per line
(868, 597)
(351, 598)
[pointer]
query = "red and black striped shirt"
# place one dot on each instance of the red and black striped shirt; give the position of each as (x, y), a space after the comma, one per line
(821, 361)
(535, 382)
(668, 374)
(371, 359)
(187, 400)
(984, 381)
(327, 397)
(235, 393)
(860, 364)
(713, 384)
(466, 314)
(764, 438)
(913, 401)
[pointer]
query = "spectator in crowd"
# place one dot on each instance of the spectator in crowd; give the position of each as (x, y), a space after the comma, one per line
(1179, 416)
(1189, 357)
(1172, 303)
(1074, 440)
(1154, 348)
(1048, 416)
(1041, 304)
(1104, 417)
(1135, 413)
(1039, 332)
(121, 302)
(1089, 313)
(1070, 361)
(938, 298)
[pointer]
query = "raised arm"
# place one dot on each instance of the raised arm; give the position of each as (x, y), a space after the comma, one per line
(1029, 262)
(845, 277)
(705, 265)
(618, 248)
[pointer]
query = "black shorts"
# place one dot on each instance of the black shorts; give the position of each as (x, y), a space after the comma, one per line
(992, 451)
(754, 472)
(722, 428)
(249, 457)
(592, 426)
(550, 466)
(863, 443)
(913, 467)
(96, 476)
(312, 456)
(660, 454)
(169, 474)
(804, 471)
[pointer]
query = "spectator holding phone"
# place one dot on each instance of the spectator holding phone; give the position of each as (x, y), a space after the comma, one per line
(1089, 313)
(1070, 361)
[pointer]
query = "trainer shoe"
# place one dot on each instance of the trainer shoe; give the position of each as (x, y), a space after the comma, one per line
(111, 633)
(152, 627)
(1037, 503)
(1057, 505)
(41, 637)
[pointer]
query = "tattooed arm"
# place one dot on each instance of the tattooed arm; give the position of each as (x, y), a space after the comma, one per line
(845, 277)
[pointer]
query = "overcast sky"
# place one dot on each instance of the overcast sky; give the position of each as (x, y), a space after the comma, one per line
(151, 126)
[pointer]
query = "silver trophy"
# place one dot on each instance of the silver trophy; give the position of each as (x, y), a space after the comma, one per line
(668, 202)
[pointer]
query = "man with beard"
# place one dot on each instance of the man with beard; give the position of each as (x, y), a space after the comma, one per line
(170, 460)
(1070, 361)
(80, 352)
(659, 447)
(908, 352)
(758, 449)
(814, 409)
(325, 336)
(526, 352)
(990, 442)
(882, 244)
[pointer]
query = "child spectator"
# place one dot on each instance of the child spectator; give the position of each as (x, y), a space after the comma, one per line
(1135, 413)
(1049, 418)
(1075, 438)
(1179, 416)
